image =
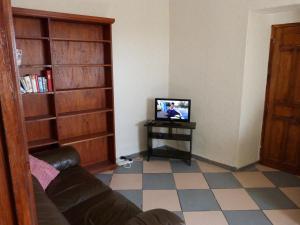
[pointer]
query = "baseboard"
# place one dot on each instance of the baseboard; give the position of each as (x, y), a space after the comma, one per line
(231, 168)
(247, 166)
(134, 155)
(143, 153)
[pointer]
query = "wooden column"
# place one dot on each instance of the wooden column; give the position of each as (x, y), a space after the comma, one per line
(16, 157)
(7, 210)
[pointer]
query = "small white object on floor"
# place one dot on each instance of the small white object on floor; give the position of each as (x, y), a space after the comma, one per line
(124, 162)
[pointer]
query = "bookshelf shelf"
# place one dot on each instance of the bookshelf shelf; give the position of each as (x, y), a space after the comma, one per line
(39, 93)
(84, 138)
(81, 40)
(32, 38)
(35, 66)
(84, 112)
(84, 88)
(82, 65)
(39, 118)
(76, 56)
(167, 136)
(42, 143)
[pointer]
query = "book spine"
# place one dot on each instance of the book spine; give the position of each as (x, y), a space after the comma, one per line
(37, 83)
(28, 84)
(45, 84)
(22, 90)
(41, 85)
(33, 83)
(49, 80)
(23, 84)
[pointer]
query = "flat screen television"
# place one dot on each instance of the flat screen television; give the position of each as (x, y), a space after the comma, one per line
(172, 109)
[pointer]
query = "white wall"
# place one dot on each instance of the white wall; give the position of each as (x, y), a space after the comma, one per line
(140, 54)
(255, 77)
(207, 59)
(212, 47)
(206, 63)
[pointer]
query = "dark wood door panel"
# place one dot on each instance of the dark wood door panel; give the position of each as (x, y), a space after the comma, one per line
(292, 151)
(296, 94)
(283, 81)
(274, 140)
(281, 128)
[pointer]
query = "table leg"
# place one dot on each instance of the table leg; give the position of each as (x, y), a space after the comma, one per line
(149, 142)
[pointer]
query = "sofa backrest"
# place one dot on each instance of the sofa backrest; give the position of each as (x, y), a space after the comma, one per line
(61, 158)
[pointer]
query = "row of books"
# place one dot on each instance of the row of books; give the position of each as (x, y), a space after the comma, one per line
(34, 83)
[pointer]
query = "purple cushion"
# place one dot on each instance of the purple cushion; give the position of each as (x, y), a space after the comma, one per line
(43, 171)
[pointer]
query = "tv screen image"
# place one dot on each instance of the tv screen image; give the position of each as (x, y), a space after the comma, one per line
(172, 109)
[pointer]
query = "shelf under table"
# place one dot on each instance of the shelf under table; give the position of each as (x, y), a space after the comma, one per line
(170, 152)
(168, 136)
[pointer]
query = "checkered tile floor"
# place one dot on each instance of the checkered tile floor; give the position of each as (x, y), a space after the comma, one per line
(204, 194)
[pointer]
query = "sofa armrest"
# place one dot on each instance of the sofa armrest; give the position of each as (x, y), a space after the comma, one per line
(156, 217)
(61, 158)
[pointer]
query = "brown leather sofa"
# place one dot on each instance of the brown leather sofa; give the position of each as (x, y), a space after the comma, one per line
(75, 197)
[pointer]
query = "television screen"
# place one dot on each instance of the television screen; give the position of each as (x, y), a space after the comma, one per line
(172, 109)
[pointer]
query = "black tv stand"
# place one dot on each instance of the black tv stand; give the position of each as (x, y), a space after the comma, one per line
(167, 151)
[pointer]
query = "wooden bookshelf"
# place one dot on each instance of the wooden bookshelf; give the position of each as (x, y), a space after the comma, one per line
(80, 109)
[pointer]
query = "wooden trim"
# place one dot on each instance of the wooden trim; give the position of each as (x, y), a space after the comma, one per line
(62, 16)
(7, 209)
(285, 25)
(12, 116)
(272, 46)
(113, 153)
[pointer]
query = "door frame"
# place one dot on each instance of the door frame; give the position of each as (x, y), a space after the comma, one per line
(270, 64)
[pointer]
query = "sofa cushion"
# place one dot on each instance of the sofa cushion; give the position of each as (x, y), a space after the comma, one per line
(110, 208)
(74, 186)
(156, 217)
(47, 213)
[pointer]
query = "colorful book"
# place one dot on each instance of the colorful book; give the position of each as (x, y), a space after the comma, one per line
(41, 85)
(23, 83)
(28, 84)
(49, 80)
(37, 83)
(33, 83)
(22, 89)
(45, 87)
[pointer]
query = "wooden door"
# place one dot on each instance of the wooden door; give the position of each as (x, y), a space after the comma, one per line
(15, 174)
(281, 129)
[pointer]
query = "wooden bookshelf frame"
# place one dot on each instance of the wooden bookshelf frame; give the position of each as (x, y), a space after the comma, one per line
(80, 109)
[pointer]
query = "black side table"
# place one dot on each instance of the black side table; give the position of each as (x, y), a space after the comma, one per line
(167, 151)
